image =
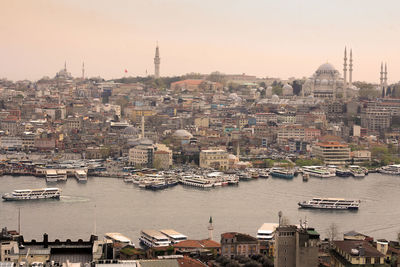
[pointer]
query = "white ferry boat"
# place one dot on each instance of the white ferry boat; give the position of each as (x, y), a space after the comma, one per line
(53, 175)
(153, 238)
(356, 171)
(330, 203)
(33, 194)
(196, 181)
(391, 169)
(174, 236)
(319, 171)
(81, 175)
(266, 231)
(119, 238)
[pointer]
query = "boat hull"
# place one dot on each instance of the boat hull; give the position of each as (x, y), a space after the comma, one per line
(11, 198)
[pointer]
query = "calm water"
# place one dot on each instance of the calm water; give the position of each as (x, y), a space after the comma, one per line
(125, 208)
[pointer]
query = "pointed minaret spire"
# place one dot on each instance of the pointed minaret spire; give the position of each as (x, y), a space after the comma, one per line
(157, 61)
(385, 77)
(351, 69)
(83, 70)
(65, 65)
(345, 73)
(210, 228)
(381, 81)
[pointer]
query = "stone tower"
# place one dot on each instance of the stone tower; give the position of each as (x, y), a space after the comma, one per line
(210, 229)
(157, 64)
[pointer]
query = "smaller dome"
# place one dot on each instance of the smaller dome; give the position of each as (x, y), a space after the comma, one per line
(275, 98)
(182, 134)
(232, 157)
(130, 130)
(324, 82)
(287, 90)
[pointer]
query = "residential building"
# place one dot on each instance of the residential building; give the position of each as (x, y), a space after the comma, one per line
(355, 253)
(235, 244)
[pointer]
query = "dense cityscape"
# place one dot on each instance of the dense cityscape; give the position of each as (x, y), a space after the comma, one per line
(199, 169)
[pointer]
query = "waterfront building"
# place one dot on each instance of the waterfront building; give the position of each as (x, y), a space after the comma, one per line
(214, 158)
(235, 244)
(355, 253)
(295, 247)
(332, 152)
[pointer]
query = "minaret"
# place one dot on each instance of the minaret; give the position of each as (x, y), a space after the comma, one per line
(210, 229)
(381, 81)
(83, 70)
(142, 126)
(345, 74)
(351, 69)
(157, 64)
(65, 65)
(385, 77)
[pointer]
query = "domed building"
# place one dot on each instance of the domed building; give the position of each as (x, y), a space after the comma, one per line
(327, 82)
(287, 90)
(182, 136)
(63, 74)
(268, 92)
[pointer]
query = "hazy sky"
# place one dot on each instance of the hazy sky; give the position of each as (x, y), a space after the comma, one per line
(260, 37)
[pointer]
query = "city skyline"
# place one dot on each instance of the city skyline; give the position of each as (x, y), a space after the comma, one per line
(285, 39)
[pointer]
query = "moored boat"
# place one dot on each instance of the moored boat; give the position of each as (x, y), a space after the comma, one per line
(282, 173)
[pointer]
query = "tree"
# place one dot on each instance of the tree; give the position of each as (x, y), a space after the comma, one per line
(332, 232)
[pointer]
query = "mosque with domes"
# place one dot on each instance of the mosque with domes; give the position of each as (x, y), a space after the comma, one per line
(327, 82)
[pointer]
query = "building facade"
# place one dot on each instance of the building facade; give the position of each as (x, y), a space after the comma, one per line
(214, 158)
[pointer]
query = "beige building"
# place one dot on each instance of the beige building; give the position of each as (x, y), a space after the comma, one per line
(333, 153)
(235, 244)
(356, 253)
(214, 158)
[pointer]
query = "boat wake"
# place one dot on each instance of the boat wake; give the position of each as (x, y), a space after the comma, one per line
(73, 199)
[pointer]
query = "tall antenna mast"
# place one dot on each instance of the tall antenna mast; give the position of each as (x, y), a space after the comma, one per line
(95, 221)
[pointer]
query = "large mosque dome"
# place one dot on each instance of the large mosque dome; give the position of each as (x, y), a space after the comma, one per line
(182, 134)
(326, 68)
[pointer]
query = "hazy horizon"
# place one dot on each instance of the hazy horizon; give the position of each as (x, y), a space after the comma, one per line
(278, 39)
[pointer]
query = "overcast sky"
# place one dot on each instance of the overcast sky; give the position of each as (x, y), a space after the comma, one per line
(259, 37)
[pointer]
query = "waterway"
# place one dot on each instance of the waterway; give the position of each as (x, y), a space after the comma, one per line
(109, 205)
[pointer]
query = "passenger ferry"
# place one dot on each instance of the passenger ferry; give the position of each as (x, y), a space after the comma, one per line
(319, 171)
(282, 173)
(330, 203)
(196, 181)
(391, 169)
(81, 175)
(53, 175)
(356, 171)
(33, 194)
(174, 236)
(153, 238)
(343, 173)
(266, 231)
(119, 238)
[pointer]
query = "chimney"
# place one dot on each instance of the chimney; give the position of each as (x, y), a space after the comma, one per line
(45, 240)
